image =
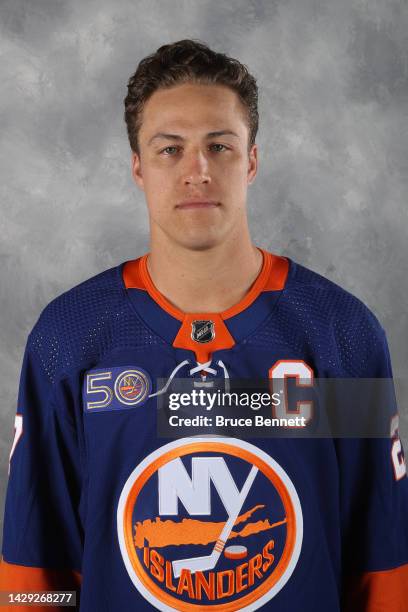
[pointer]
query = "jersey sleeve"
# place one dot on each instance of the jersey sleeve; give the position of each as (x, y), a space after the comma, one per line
(374, 509)
(42, 531)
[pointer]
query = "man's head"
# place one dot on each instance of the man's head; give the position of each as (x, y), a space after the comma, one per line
(192, 119)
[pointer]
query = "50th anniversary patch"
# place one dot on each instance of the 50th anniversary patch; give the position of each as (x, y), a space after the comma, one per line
(115, 388)
(209, 523)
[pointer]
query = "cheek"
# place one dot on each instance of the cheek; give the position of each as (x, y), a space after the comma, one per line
(157, 183)
(235, 182)
(237, 170)
(159, 197)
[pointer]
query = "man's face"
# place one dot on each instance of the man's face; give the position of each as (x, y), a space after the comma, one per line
(181, 161)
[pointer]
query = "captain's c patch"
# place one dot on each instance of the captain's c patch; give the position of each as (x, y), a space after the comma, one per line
(115, 388)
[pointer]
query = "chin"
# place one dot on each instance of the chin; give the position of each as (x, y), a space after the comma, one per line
(199, 243)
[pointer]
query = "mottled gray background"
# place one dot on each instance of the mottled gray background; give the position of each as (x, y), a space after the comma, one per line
(332, 186)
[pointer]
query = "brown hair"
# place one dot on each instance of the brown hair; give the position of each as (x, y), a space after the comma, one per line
(188, 60)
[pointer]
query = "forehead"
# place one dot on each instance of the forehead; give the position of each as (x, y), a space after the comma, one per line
(191, 106)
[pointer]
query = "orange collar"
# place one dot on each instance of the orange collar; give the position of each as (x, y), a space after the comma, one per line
(272, 277)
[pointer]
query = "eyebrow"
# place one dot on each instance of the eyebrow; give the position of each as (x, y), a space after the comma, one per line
(163, 135)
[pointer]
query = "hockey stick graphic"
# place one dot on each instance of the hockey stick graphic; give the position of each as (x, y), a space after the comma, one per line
(208, 562)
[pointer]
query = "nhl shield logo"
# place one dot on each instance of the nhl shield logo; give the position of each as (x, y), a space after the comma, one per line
(202, 331)
(209, 523)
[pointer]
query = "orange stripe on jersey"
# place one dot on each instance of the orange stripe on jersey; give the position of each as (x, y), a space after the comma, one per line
(21, 578)
(383, 591)
(155, 293)
(272, 277)
(278, 273)
(131, 275)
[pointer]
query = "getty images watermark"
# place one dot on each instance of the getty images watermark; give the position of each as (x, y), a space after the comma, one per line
(208, 400)
(324, 407)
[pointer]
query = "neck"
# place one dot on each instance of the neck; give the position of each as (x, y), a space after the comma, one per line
(210, 280)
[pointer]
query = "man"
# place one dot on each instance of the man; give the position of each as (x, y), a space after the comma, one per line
(96, 501)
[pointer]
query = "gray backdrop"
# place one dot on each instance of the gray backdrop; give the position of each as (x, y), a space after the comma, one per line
(331, 191)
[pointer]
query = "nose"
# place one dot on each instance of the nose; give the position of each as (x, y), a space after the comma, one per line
(196, 168)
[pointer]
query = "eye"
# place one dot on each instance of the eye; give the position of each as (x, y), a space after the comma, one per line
(167, 151)
(216, 144)
(170, 147)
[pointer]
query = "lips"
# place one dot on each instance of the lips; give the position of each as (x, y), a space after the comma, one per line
(197, 204)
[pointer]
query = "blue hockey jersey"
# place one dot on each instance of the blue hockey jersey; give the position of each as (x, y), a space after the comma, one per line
(98, 503)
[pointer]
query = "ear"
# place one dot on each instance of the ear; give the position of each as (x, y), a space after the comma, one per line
(252, 164)
(136, 167)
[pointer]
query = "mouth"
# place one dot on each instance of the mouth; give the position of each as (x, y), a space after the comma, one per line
(187, 204)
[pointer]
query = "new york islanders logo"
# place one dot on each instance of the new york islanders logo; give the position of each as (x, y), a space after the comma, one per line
(224, 530)
(132, 387)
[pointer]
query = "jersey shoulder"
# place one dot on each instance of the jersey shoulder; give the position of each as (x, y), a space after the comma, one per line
(324, 296)
(78, 327)
(348, 332)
